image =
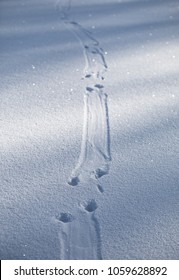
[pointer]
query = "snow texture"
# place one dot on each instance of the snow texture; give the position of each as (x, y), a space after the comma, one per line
(89, 88)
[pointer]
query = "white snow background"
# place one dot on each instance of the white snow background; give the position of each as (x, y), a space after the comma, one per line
(41, 123)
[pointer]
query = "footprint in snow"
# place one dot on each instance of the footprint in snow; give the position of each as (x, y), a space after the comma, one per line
(90, 206)
(65, 218)
(79, 236)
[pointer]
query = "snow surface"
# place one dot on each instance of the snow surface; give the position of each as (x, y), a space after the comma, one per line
(130, 213)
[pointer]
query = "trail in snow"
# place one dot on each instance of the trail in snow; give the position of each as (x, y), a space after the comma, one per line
(95, 150)
(80, 237)
(94, 55)
(95, 154)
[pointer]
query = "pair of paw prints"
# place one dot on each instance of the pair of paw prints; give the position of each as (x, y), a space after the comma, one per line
(89, 207)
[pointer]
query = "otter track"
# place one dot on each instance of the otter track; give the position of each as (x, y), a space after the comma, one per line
(95, 154)
(80, 236)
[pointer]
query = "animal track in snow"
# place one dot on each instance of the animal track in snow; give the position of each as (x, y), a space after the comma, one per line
(95, 154)
(91, 206)
(94, 55)
(65, 217)
(80, 237)
(95, 148)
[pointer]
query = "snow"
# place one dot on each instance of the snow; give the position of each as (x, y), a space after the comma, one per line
(133, 211)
